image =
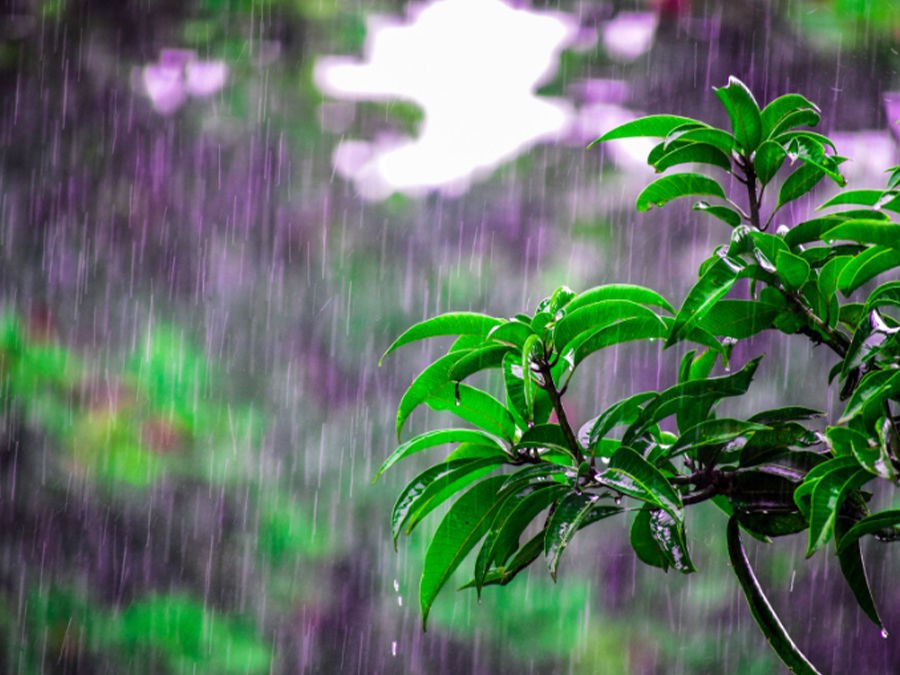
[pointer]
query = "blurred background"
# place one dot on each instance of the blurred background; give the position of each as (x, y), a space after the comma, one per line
(215, 215)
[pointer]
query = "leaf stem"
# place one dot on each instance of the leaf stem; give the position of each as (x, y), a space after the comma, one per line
(556, 399)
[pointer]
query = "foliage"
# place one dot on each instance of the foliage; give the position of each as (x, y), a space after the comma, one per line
(526, 479)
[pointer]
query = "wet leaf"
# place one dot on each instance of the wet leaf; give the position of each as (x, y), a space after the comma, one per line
(880, 232)
(876, 523)
(768, 159)
(740, 319)
(632, 475)
(476, 407)
(454, 323)
(826, 497)
(801, 181)
(668, 533)
(724, 213)
(703, 296)
(693, 153)
(431, 439)
(743, 111)
(650, 126)
(545, 436)
(462, 528)
(567, 518)
(626, 330)
(667, 188)
(791, 269)
(433, 487)
(632, 292)
(854, 570)
(762, 611)
(774, 117)
(712, 432)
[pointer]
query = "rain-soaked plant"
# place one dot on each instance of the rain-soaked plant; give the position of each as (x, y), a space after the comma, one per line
(523, 463)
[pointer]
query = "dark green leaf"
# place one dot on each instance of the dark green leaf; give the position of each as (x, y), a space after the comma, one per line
(786, 414)
(454, 323)
(667, 188)
(874, 524)
(810, 230)
(854, 571)
(622, 412)
(668, 532)
(874, 388)
(724, 213)
(826, 498)
(522, 558)
(643, 542)
(632, 475)
(762, 611)
(657, 126)
(886, 294)
(465, 524)
(712, 432)
(567, 518)
(743, 111)
(545, 436)
(432, 438)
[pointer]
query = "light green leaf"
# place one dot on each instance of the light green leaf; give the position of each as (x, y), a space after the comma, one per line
(693, 153)
(430, 381)
(476, 407)
(762, 611)
(433, 487)
(724, 213)
(594, 317)
(638, 294)
(627, 330)
(881, 232)
(667, 188)
(768, 159)
(513, 333)
(743, 111)
(718, 138)
(703, 296)
(462, 528)
(867, 265)
(567, 518)
(657, 126)
(781, 114)
(454, 323)
(431, 439)
(791, 269)
(801, 181)
(740, 319)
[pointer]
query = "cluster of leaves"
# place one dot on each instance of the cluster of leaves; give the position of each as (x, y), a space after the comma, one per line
(527, 480)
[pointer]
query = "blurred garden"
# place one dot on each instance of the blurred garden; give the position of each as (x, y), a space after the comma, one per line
(216, 216)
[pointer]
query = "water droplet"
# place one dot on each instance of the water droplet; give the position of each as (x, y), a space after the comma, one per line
(884, 633)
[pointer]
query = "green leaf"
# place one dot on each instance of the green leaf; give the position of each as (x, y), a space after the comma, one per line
(768, 159)
(864, 197)
(703, 296)
(867, 265)
(791, 269)
(743, 111)
(638, 294)
(810, 230)
(718, 138)
(785, 414)
(651, 126)
(801, 181)
(777, 116)
(826, 498)
(693, 153)
(643, 541)
(872, 390)
(712, 432)
(522, 558)
(874, 524)
(517, 512)
(465, 524)
(667, 188)
(622, 412)
(627, 330)
(854, 571)
(454, 323)
(632, 475)
(432, 438)
(668, 532)
(594, 317)
(762, 611)
(545, 436)
(567, 518)
(476, 407)
(431, 380)
(886, 294)
(513, 333)
(740, 319)
(724, 213)
(433, 487)
(475, 360)
(880, 232)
